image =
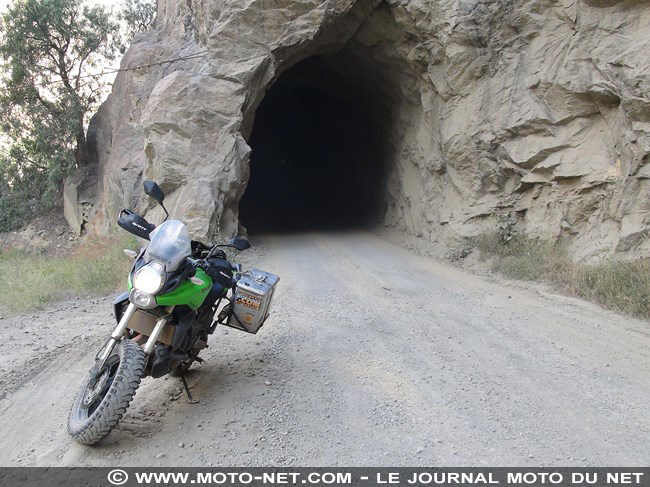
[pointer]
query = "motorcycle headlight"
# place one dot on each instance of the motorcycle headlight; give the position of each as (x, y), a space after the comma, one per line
(149, 278)
(142, 299)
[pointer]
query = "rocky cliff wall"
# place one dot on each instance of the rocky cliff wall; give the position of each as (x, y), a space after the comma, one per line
(532, 111)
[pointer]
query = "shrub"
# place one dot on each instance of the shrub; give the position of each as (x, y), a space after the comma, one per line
(619, 285)
(616, 284)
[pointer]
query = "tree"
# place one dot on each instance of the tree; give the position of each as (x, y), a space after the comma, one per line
(138, 16)
(20, 193)
(48, 48)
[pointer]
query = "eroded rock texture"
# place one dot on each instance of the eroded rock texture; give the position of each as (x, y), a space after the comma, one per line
(533, 110)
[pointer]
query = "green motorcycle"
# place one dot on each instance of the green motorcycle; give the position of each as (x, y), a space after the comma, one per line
(179, 290)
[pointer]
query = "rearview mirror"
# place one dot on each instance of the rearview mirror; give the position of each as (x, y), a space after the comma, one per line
(153, 190)
(240, 243)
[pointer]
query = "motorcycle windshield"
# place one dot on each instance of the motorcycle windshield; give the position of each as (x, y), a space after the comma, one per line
(170, 245)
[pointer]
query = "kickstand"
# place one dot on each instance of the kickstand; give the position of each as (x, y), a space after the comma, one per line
(190, 399)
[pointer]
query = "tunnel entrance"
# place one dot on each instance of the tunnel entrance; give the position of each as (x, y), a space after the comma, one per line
(319, 150)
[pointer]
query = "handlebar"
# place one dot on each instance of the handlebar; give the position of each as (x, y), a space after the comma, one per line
(203, 263)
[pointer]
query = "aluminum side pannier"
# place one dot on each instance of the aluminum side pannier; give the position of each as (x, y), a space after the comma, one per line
(252, 300)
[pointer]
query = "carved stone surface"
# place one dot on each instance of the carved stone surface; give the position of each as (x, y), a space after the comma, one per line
(534, 109)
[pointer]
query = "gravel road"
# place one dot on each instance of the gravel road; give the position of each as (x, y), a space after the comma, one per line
(372, 356)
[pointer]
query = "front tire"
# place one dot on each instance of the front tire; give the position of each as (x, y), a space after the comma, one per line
(103, 400)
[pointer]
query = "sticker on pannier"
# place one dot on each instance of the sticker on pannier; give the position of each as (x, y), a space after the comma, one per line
(248, 301)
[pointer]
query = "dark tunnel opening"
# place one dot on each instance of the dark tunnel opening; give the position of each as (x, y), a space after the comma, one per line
(319, 150)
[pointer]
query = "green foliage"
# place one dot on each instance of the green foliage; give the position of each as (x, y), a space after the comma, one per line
(138, 16)
(46, 47)
(530, 260)
(30, 281)
(20, 194)
(616, 284)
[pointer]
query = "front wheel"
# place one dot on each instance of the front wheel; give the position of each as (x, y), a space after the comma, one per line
(103, 400)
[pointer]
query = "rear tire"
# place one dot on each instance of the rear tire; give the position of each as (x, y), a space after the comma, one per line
(96, 412)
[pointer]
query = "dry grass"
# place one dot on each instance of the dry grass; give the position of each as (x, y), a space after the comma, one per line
(29, 281)
(616, 284)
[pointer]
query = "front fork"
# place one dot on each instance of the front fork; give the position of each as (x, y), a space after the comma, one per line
(120, 330)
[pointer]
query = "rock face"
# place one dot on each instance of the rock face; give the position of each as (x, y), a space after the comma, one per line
(535, 111)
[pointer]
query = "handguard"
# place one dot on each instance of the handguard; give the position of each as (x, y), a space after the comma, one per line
(135, 224)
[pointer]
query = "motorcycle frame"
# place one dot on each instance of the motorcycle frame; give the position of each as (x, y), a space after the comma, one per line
(120, 331)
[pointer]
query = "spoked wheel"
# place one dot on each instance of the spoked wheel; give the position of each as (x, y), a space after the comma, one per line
(104, 398)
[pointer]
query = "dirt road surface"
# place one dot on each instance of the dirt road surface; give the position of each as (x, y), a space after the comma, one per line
(372, 356)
